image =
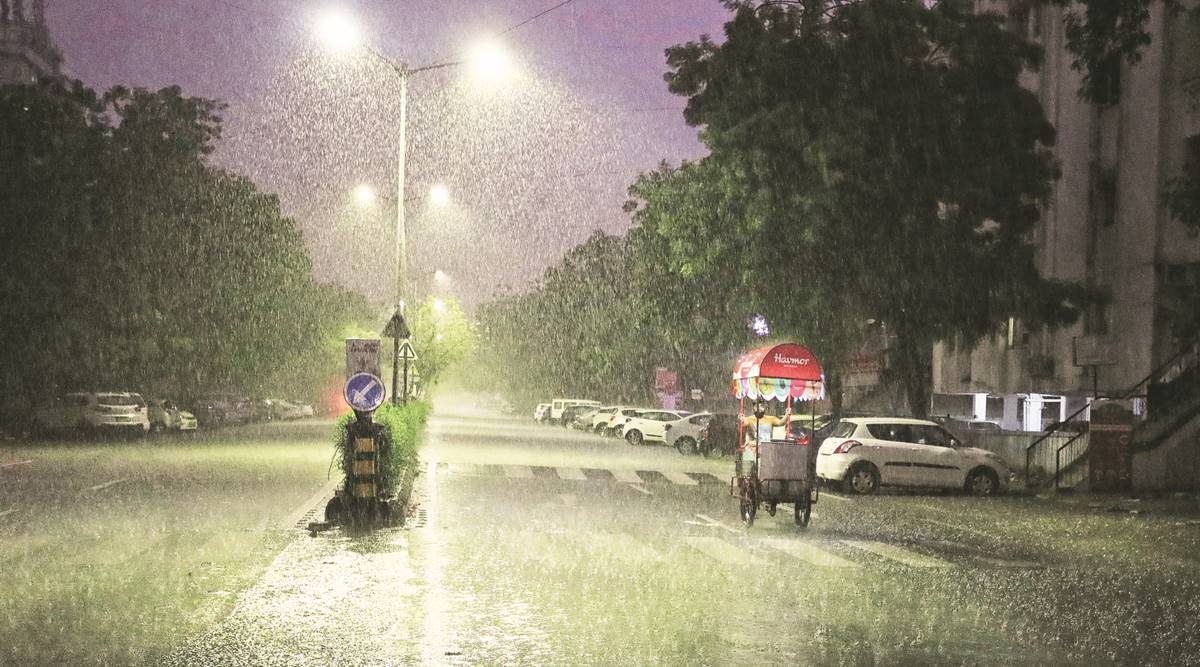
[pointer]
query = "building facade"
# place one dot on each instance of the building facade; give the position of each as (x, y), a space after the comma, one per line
(1107, 227)
(26, 52)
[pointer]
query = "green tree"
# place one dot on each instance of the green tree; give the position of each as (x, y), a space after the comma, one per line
(882, 156)
(130, 261)
(443, 336)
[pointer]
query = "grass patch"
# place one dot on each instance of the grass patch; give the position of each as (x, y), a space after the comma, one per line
(103, 573)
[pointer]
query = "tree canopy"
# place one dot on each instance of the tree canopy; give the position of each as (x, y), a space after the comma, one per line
(128, 261)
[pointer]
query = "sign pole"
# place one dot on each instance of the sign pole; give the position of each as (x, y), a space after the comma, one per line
(395, 369)
(404, 399)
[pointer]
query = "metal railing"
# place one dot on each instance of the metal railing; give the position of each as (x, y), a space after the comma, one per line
(1070, 435)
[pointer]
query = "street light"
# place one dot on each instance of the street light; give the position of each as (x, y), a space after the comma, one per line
(340, 33)
(364, 195)
(439, 196)
(439, 275)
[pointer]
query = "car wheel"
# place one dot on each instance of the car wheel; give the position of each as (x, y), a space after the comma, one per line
(982, 482)
(634, 438)
(803, 510)
(686, 446)
(863, 479)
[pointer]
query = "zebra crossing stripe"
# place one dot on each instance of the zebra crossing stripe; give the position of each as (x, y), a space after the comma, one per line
(680, 478)
(518, 472)
(899, 554)
(469, 469)
(722, 551)
(809, 553)
(628, 476)
(571, 473)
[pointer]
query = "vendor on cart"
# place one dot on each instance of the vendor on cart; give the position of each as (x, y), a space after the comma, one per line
(759, 425)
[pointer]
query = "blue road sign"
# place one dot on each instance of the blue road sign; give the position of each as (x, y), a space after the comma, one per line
(364, 392)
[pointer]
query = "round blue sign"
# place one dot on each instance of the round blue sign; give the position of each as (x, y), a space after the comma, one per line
(364, 392)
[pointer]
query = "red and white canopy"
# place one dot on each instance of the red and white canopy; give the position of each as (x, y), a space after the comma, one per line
(779, 372)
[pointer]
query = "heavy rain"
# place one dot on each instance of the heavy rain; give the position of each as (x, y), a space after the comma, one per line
(600, 332)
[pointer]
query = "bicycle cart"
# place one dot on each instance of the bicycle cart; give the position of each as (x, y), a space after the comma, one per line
(769, 471)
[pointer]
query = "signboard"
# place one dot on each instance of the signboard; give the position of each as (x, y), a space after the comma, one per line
(406, 352)
(397, 327)
(1094, 351)
(364, 392)
(1110, 456)
(362, 356)
(665, 379)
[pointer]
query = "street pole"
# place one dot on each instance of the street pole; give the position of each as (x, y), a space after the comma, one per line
(401, 240)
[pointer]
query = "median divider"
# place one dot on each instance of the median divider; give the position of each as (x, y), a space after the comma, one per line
(378, 459)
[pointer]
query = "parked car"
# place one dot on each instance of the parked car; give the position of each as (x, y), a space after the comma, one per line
(801, 429)
(602, 416)
(864, 453)
(617, 421)
(120, 411)
(560, 404)
(281, 409)
(719, 436)
(650, 426)
(165, 415)
(569, 413)
(684, 435)
(583, 420)
(542, 412)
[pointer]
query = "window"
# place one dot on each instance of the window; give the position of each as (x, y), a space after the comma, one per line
(1102, 184)
(844, 429)
(700, 420)
(891, 432)
(930, 435)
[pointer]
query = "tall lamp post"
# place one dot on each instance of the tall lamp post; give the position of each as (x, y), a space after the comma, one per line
(340, 33)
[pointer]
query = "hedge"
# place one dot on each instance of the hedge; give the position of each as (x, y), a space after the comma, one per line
(400, 429)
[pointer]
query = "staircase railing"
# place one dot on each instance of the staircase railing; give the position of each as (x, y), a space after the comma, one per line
(1071, 434)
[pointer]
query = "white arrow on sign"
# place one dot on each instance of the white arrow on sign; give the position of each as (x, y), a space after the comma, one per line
(360, 396)
(407, 351)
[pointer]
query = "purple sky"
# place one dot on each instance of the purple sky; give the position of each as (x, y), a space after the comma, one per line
(533, 167)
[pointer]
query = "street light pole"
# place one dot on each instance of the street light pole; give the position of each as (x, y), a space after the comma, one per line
(401, 232)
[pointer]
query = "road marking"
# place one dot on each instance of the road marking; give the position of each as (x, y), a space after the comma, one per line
(105, 485)
(466, 469)
(324, 492)
(7, 512)
(571, 473)
(680, 478)
(809, 553)
(18, 463)
(518, 472)
(716, 524)
(639, 488)
(724, 552)
(898, 554)
(833, 496)
(627, 476)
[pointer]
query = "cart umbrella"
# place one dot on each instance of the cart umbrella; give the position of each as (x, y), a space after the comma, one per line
(781, 372)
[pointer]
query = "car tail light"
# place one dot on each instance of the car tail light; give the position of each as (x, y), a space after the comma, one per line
(803, 439)
(847, 446)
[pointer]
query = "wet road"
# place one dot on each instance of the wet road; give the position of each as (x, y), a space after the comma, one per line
(536, 545)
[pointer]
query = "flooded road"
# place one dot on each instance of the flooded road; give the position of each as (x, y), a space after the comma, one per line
(532, 544)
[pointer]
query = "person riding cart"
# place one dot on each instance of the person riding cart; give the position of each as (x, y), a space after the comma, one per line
(770, 470)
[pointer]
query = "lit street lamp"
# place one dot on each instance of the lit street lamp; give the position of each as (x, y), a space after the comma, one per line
(340, 33)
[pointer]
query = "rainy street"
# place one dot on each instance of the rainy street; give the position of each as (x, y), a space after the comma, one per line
(537, 545)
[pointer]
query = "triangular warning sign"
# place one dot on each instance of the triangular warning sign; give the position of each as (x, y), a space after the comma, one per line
(407, 351)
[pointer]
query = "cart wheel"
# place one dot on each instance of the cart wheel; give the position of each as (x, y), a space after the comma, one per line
(803, 510)
(749, 507)
(771, 508)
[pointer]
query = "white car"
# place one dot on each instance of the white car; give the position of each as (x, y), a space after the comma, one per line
(650, 426)
(560, 404)
(684, 435)
(616, 421)
(94, 411)
(864, 453)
